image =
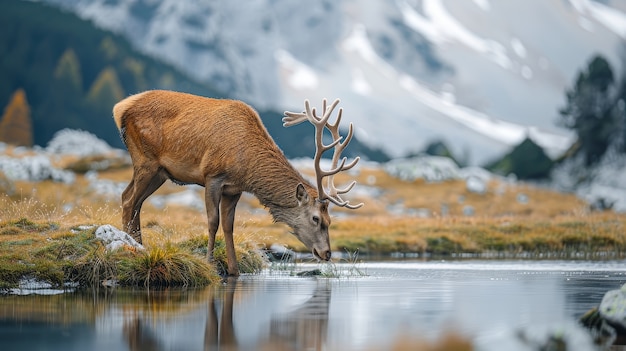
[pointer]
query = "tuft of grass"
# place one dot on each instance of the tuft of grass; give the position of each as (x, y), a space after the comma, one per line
(350, 268)
(94, 268)
(166, 266)
(249, 259)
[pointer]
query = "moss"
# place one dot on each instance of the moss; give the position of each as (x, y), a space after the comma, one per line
(11, 272)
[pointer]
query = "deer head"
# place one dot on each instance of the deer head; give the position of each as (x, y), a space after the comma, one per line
(312, 226)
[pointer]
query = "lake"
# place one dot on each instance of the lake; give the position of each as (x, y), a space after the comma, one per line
(367, 306)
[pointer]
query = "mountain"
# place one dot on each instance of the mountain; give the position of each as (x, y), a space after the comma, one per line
(479, 75)
(69, 74)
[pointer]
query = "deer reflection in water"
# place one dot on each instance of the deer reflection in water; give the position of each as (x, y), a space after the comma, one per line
(220, 333)
(304, 327)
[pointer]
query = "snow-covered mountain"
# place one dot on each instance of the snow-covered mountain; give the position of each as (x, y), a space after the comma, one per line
(480, 75)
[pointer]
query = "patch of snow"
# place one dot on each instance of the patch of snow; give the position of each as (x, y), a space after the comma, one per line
(31, 286)
(476, 172)
(115, 239)
(358, 41)
(483, 4)
(105, 187)
(34, 169)
(300, 76)
(359, 84)
(518, 47)
(527, 72)
(506, 132)
(429, 168)
(188, 197)
(77, 142)
(611, 18)
(476, 185)
(603, 184)
(439, 26)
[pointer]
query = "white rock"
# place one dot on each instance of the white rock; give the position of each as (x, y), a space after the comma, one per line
(34, 169)
(77, 142)
(114, 238)
(429, 168)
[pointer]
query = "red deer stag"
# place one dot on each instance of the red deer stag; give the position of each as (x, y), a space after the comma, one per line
(223, 146)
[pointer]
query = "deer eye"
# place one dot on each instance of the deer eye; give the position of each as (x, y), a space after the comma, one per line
(316, 220)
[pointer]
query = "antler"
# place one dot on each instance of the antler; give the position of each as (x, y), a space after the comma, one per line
(292, 118)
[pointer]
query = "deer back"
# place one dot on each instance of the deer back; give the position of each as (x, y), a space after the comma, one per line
(194, 137)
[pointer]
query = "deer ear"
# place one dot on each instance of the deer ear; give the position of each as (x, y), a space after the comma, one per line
(301, 195)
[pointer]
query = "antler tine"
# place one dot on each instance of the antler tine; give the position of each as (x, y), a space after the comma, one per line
(294, 118)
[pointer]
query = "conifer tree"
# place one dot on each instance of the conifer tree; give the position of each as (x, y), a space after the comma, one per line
(590, 109)
(16, 126)
(68, 70)
(106, 90)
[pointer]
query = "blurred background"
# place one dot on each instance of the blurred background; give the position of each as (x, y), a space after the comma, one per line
(533, 89)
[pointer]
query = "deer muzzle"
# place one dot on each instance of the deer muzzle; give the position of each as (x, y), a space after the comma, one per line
(322, 255)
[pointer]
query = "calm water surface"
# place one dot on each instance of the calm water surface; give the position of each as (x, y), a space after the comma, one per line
(481, 300)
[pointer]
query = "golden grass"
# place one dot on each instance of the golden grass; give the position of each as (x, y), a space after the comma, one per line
(546, 223)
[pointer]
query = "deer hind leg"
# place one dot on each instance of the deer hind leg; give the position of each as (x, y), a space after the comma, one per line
(146, 180)
(228, 205)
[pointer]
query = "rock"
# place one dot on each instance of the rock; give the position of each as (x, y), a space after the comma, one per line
(34, 169)
(476, 185)
(115, 239)
(613, 308)
(607, 323)
(311, 273)
(522, 198)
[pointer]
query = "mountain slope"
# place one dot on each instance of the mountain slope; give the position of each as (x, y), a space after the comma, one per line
(72, 75)
(481, 75)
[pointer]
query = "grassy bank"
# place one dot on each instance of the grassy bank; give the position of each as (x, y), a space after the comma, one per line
(60, 250)
(47, 229)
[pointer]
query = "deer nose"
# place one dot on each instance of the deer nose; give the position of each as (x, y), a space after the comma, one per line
(322, 255)
(326, 255)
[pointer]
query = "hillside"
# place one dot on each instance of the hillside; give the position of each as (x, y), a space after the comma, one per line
(480, 76)
(72, 74)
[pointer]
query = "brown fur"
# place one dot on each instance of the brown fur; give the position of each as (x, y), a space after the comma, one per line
(217, 143)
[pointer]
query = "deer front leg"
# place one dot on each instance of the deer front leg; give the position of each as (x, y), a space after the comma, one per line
(212, 196)
(228, 205)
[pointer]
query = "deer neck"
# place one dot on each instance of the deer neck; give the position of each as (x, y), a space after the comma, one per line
(274, 182)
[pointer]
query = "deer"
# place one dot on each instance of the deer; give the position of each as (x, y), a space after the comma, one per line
(222, 145)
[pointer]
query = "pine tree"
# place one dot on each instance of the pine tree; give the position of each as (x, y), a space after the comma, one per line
(106, 90)
(68, 70)
(16, 126)
(590, 109)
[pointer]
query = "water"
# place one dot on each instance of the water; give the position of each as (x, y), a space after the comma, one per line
(484, 301)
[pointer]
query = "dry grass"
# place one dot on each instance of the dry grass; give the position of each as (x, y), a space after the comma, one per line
(406, 217)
